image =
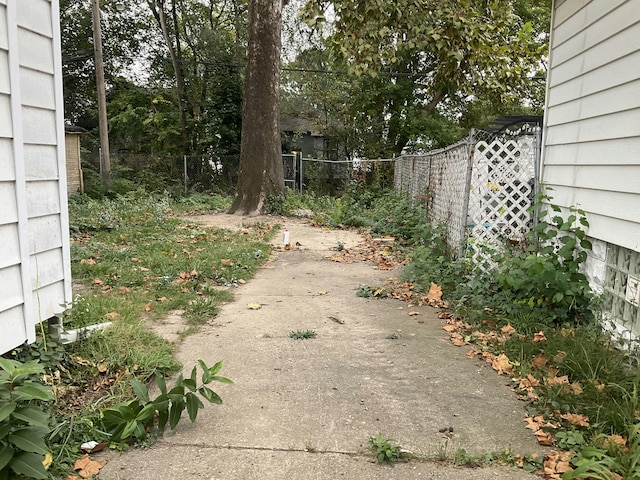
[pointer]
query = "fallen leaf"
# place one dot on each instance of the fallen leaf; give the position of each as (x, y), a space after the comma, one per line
(435, 293)
(242, 281)
(413, 313)
(556, 463)
(97, 281)
(539, 337)
(563, 380)
(471, 353)
(162, 299)
(322, 292)
(618, 440)
(298, 244)
(48, 460)
(147, 307)
(576, 388)
(501, 364)
(568, 332)
(539, 361)
(88, 261)
(544, 438)
(226, 261)
(102, 368)
(135, 260)
(124, 290)
(112, 315)
(254, 306)
(559, 357)
(457, 339)
(87, 468)
(508, 330)
(576, 419)
(449, 328)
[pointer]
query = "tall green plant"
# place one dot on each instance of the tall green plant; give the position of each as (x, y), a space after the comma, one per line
(547, 275)
(24, 421)
(137, 418)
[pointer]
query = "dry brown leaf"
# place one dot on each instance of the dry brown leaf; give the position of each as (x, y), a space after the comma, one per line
(559, 357)
(112, 315)
(508, 330)
(457, 339)
(226, 261)
(563, 380)
(471, 353)
(88, 261)
(556, 463)
(576, 419)
(544, 438)
(322, 292)
(97, 281)
(501, 364)
(568, 332)
(147, 307)
(618, 440)
(135, 260)
(102, 368)
(534, 423)
(87, 468)
(435, 293)
(539, 337)
(413, 313)
(162, 299)
(124, 290)
(449, 328)
(540, 361)
(576, 388)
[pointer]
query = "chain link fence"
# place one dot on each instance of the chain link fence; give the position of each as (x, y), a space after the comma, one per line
(481, 188)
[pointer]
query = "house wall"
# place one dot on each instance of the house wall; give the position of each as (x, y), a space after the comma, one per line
(591, 153)
(35, 276)
(592, 134)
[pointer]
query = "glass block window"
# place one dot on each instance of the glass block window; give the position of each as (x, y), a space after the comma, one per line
(622, 283)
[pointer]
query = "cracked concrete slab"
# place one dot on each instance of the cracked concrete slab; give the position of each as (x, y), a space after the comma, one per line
(305, 409)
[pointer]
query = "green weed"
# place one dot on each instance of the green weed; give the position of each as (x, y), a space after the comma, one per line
(386, 450)
(302, 334)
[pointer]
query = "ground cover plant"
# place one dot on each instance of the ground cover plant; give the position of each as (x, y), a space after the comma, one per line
(535, 320)
(134, 258)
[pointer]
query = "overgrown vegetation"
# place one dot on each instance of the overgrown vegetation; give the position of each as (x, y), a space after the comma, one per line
(133, 261)
(532, 309)
(582, 390)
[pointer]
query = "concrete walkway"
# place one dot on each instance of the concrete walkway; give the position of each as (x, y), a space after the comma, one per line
(305, 409)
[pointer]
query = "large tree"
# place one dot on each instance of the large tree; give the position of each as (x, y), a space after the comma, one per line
(261, 170)
(426, 58)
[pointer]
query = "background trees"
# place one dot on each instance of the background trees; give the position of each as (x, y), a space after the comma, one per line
(375, 78)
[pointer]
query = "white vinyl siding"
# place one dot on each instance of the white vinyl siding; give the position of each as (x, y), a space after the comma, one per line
(35, 277)
(591, 155)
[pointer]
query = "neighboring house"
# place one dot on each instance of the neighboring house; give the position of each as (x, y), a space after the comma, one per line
(35, 273)
(591, 153)
(75, 180)
(300, 136)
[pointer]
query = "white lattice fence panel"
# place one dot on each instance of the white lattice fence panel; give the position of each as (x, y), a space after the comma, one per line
(501, 192)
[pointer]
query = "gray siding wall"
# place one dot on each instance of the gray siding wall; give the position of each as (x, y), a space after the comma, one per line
(591, 156)
(35, 277)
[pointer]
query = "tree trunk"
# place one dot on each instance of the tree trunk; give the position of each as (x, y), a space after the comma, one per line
(261, 170)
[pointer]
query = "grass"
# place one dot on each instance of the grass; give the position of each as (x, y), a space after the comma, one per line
(134, 258)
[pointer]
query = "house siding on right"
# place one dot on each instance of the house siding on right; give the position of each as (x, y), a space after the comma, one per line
(591, 156)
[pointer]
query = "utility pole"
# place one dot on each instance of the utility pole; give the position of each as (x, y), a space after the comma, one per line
(105, 159)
